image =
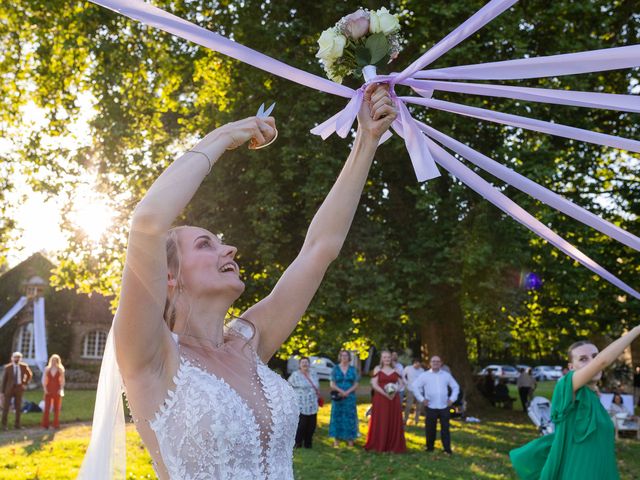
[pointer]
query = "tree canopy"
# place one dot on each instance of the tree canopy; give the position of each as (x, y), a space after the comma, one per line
(431, 266)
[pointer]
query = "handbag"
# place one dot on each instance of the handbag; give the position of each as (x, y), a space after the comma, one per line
(320, 399)
(335, 396)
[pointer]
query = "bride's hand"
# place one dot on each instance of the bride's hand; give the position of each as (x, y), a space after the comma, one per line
(255, 130)
(377, 112)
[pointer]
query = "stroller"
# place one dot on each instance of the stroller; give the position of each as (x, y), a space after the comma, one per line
(540, 414)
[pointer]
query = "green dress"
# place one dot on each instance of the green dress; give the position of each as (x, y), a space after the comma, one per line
(583, 445)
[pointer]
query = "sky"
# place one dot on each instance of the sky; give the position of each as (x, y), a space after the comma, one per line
(38, 217)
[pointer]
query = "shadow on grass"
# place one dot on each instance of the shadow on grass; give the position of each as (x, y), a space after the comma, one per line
(30, 440)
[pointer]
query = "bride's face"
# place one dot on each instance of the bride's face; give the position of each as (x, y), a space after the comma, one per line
(207, 265)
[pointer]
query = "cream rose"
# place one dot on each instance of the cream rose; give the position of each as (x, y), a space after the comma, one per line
(331, 45)
(381, 21)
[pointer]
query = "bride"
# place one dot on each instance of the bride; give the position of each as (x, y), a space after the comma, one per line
(203, 400)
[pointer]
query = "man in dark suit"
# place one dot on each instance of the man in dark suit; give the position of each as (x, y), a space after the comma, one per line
(15, 378)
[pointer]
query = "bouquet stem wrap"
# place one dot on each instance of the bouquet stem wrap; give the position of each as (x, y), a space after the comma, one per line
(369, 72)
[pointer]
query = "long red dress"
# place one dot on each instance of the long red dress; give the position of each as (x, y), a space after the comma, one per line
(52, 397)
(386, 428)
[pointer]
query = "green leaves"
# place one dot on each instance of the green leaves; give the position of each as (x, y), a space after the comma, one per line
(363, 56)
(378, 47)
(375, 51)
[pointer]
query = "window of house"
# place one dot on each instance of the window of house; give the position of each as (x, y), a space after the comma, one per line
(24, 341)
(93, 344)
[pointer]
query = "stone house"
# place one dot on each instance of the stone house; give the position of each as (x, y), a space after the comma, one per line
(76, 324)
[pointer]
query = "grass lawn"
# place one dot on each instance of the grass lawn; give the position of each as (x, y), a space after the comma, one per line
(480, 450)
(543, 389)
(77, 405)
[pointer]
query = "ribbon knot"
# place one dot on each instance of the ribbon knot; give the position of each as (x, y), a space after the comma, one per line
(404, 125)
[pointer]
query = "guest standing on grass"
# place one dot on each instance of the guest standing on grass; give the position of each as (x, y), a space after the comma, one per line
(15, 378)
(583, 444)
(53, 386)
(386, 429)
(526, 385)
(307, 387)
(432, 389)
(344, 414)
(409, 375)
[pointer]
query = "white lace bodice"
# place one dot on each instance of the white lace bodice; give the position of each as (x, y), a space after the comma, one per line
(206, 430)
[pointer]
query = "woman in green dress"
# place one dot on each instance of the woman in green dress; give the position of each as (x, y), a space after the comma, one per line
(582, 446)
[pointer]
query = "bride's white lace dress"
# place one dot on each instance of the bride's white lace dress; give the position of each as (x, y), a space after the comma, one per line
(206, 430)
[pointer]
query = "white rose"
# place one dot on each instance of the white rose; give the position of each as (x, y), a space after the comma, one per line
(382, 21)
(331, 45)
(374, 22)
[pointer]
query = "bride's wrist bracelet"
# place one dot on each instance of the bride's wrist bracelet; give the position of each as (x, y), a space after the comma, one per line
(205, 156)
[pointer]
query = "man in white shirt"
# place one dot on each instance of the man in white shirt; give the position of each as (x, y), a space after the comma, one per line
(431, 388)
(410, 374)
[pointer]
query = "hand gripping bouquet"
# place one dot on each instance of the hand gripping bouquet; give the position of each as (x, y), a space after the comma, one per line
(358, 43)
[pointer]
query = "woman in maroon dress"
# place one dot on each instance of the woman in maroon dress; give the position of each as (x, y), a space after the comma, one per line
(53, 383)
(386, 428)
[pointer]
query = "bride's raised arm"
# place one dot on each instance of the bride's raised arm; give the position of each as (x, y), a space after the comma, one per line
(140, 333)
(276, 315)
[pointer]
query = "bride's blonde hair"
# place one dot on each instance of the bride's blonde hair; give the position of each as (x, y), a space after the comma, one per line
(174, 266)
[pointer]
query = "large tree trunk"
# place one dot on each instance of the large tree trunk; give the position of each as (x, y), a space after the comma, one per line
(443, 335)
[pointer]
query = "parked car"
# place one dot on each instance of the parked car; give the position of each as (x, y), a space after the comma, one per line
(545, 372)
(506, 372)
(322, 366)
(521, 367)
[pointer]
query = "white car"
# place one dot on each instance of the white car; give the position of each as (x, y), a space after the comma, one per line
(322, 366)
(545, 372)
(506, 372)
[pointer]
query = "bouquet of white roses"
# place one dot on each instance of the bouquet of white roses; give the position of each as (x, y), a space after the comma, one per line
(362, 39)
(391, 389)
